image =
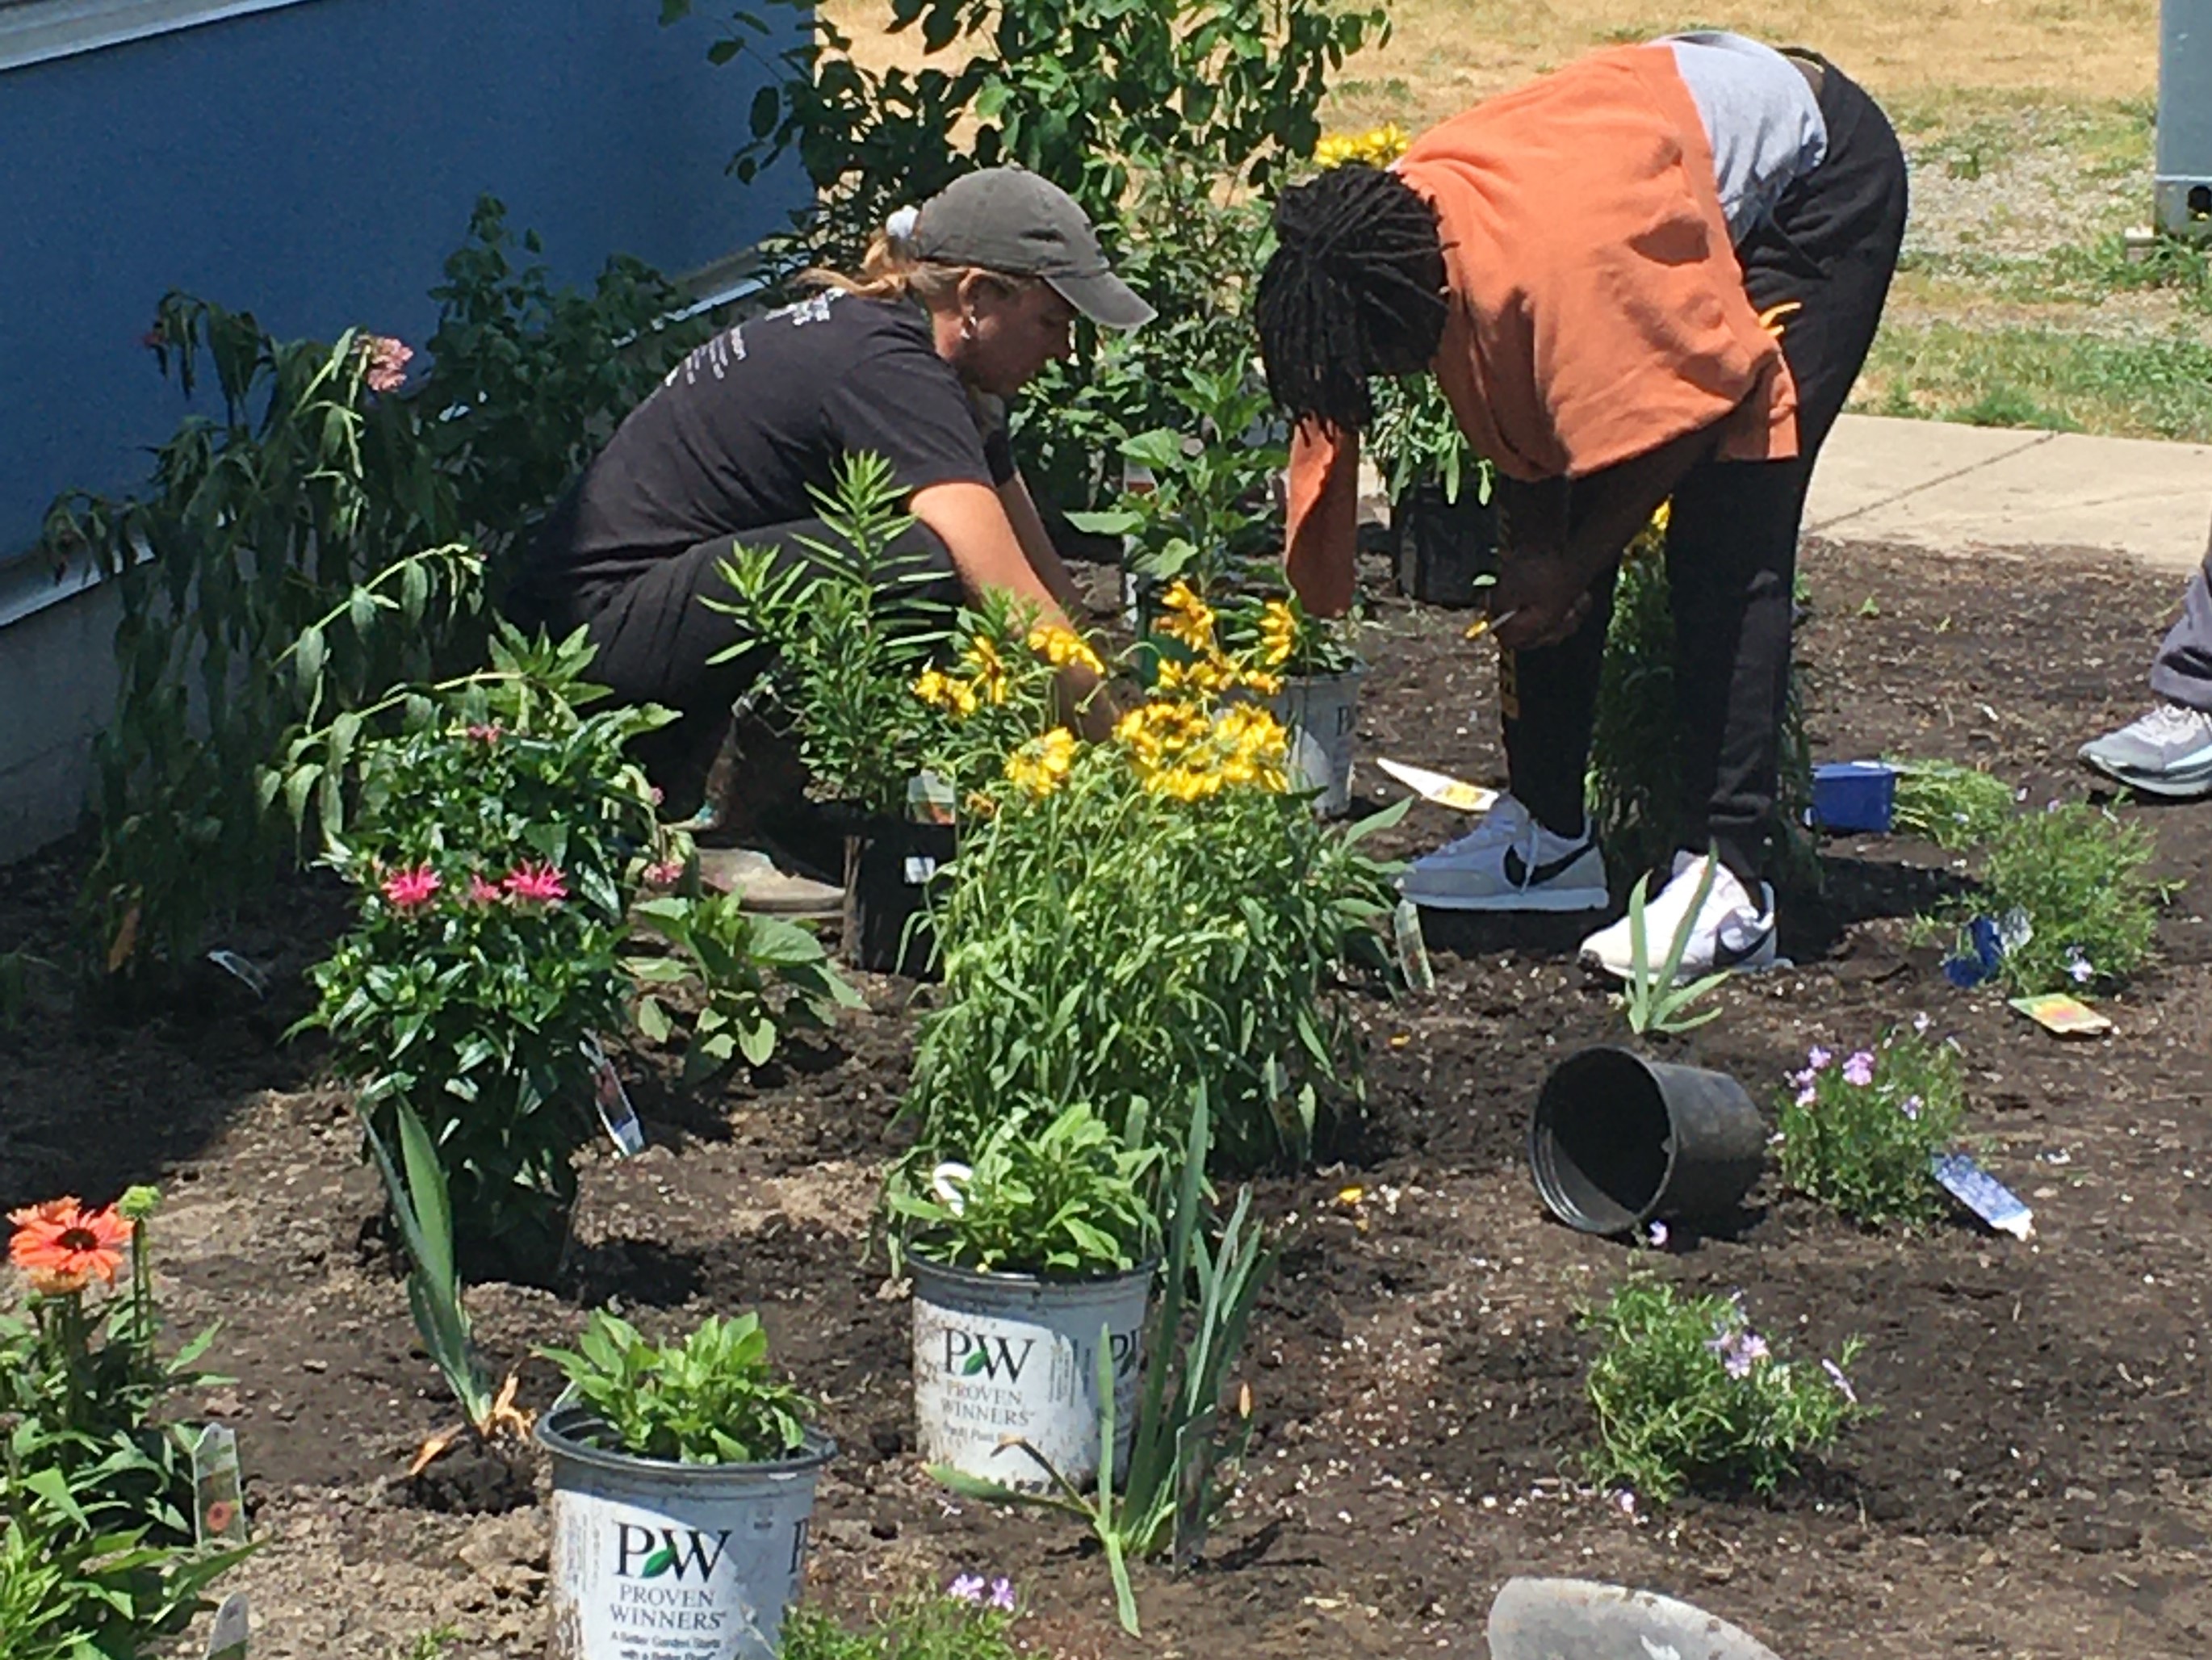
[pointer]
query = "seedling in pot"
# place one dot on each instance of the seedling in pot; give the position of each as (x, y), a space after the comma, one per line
(1652, 1000)
(1164, 1495)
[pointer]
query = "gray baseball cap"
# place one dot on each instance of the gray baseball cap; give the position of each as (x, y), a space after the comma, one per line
(1010, 220)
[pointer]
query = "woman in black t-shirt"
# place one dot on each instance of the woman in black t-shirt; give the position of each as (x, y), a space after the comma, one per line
(909, 359)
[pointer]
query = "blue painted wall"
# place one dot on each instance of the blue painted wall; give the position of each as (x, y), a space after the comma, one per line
(315, 164)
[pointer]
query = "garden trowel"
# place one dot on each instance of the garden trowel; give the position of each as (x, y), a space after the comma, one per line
(1582, 1619)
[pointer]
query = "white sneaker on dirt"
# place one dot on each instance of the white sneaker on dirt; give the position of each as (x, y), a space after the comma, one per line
(2166, 753)
(1508, 862)
(1733, 929)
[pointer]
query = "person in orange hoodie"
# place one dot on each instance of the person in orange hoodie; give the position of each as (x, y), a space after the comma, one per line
(1651, 276)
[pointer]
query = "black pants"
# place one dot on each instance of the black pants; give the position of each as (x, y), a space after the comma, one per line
(654, 638)
(1831, 248)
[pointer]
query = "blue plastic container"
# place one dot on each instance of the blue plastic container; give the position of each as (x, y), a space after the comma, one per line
(1854, 796)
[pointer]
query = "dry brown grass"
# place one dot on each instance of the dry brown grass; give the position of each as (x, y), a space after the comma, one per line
(1444, 54)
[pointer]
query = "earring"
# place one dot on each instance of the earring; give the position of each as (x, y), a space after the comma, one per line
(968, 326)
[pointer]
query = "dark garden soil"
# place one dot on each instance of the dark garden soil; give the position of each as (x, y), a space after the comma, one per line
(2039, 1482)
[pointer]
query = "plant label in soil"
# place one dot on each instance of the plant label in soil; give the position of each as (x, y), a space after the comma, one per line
(1983, 1194)
(929, 800)
(2063, 1016)
(617, 1116)
(218, 1516)
(1441, 788)
(1412, 947)
(227, 1640)
(1194, 1456)
(919, 868)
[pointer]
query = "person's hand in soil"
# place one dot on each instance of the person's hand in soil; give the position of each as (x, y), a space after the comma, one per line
(1543, 597)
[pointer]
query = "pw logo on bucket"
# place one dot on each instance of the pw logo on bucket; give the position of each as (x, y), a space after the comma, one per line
(644, 1553)
(986, 1354)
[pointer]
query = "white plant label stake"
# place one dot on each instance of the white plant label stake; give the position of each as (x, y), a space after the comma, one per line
(218, 1514)
(227, 1640)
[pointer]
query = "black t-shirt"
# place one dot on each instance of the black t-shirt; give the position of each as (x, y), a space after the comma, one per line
(741, 432)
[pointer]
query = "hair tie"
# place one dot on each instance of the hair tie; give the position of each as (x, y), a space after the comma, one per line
(902, 224)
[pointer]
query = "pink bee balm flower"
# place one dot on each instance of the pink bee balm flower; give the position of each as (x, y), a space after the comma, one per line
(484, 893)
(1858, 1071)
(485, 734)
(540, 882)
(407, 889)
(388, 362)
(664, 875)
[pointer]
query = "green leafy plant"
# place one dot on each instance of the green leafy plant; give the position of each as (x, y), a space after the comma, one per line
(1858, 1134)
(1172, 1488)
(1136, 917)
(320, 540)
(1654, 999)
(1952, 805)
(99, 1555)
(1063, 1196)
(709, 1399)
(969, 1620)
(757, 978)
(422, 1210)
(848, 633)
(1416, 440)
(2074, 875)
(1687, 1393)
(490, 849)
(1632, 786)
(1202, 510)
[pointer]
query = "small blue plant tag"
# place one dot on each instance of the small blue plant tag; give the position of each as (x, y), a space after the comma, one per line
(1983, 1194)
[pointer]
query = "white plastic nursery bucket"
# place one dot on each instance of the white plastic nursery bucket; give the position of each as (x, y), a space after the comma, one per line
(1321, 714)
(654, 1561)
(997, 1356)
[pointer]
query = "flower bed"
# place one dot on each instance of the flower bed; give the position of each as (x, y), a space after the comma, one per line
(2032, 1485)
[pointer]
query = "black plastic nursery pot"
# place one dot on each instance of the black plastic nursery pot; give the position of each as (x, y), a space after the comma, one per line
(1618, 1140)
(890, 864)
(1441, 549)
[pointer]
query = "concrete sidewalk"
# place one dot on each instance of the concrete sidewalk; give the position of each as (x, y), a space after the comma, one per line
(1961, 489)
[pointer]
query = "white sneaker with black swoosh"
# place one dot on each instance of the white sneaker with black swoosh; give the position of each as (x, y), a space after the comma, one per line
(1509, 861)
(1733, 930)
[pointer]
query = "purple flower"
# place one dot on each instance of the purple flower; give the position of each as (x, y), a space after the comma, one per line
(2078, 966)
(1627, 1501)
(1739, 1351)
(1806, 1096)
(1655, 1233)
(1836, 1377)
(1858, 1071)
(1002, 1595)
(1920, 1024)
(1909, 1106)
(1817, 1058)
(967, 1588)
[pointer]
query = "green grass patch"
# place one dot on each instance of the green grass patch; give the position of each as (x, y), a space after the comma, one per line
(2133, 387)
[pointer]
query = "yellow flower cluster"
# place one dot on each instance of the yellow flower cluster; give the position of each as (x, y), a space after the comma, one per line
(1279, 634)
(1188, 619)
(986, 681)
(1178, 750)
(1377, 147)
(1041, 766)
(1061, 647)
(1210, 672)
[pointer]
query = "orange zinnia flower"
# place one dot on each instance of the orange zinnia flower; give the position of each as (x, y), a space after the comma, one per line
(61, 1245)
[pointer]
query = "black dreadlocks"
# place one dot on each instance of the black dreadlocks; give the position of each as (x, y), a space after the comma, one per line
(1355, 288)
